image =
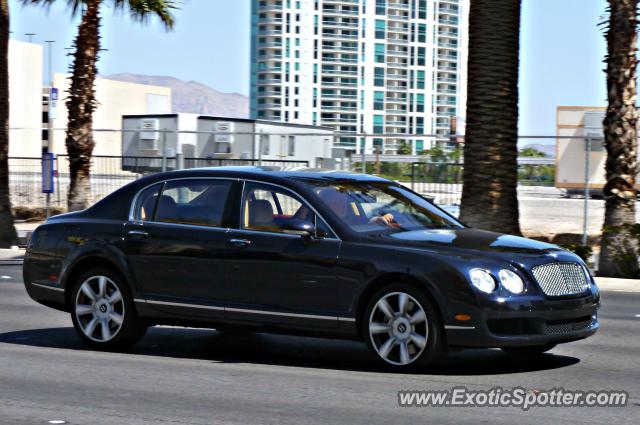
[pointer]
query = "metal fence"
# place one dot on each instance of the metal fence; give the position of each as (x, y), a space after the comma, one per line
(109, 173)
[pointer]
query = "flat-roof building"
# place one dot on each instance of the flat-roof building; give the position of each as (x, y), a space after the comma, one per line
(201, 136)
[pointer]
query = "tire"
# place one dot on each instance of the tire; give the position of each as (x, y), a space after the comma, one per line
(103, 312)
(412, 336)
(529, 350)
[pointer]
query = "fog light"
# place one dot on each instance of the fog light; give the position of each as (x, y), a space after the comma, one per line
(511, 281)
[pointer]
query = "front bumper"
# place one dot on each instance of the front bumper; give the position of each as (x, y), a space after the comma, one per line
(524, 321)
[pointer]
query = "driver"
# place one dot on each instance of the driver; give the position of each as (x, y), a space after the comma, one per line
(340, 204)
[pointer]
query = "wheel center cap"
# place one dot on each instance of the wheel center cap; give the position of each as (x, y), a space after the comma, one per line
(401, 328)
(102, 309)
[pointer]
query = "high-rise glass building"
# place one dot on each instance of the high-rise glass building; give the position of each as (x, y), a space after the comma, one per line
(393, 68)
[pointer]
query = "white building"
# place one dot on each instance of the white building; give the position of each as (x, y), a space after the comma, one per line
(221, 138)
(25, 99)
(114, 99)
(362, 66)
(575, 125)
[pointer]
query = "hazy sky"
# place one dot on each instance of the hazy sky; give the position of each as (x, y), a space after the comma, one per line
(562, 49)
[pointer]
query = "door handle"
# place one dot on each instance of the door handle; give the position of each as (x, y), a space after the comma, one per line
(239, 242)
(139, 233)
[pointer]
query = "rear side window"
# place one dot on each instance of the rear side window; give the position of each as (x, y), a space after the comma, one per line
(146, 203)
(198, 202)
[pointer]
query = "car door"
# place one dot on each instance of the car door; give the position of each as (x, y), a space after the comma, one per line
(275, 275)
(176, 244)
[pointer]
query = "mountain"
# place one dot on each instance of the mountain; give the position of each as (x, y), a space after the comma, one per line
(193, 97)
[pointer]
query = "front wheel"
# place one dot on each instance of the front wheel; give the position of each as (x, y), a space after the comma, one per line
(103, 312)
(403, 327)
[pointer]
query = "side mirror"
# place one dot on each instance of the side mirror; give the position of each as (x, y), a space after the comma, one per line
(299, 227)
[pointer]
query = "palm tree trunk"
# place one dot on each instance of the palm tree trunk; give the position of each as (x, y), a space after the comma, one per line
(8, 235)
(490, 177)
(620, 132)
(81, 104)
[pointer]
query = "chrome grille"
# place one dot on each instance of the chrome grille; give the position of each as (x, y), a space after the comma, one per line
(557, 279)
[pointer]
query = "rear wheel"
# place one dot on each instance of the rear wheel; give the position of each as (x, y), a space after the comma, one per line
(103, 312)
(403, 327)
(530, 349)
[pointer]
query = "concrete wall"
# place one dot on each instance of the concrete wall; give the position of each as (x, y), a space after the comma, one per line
(25, 99)
(115, 99)
(317, 144)
(571, 153)
(240, 145)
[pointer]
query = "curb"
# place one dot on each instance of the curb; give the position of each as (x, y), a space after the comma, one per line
(11, 257)
(15, 261)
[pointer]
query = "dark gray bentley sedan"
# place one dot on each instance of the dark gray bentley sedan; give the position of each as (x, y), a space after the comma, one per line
(308, 252)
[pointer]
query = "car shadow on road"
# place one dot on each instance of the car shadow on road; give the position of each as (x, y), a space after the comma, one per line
(290, 351)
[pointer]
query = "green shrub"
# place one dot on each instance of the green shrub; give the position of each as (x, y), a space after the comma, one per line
(582, 251)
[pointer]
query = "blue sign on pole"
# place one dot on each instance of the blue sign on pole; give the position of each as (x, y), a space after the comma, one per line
(48, 160)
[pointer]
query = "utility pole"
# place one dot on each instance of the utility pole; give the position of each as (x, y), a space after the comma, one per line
(30, 36)
(585, 228)
(364, 154)
(52, 94)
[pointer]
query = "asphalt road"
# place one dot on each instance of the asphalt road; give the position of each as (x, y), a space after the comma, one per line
(181, 376)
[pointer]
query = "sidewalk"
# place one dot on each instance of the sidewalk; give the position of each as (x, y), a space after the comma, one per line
(11, 257)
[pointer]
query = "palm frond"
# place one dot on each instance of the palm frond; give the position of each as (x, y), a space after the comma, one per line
(74, 5)
(143, 10)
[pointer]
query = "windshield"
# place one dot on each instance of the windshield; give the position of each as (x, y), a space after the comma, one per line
(375, 206)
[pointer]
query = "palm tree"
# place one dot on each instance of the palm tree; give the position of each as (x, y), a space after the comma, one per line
(81, 101)
(8, 235)
(618, 256)
(490, 177)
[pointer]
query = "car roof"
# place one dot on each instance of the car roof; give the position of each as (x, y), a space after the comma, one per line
(273, 174)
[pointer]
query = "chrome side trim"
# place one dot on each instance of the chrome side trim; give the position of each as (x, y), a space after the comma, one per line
(454, 327)
(276, 313)
(248, 311)
(204, 307)
(47, 287)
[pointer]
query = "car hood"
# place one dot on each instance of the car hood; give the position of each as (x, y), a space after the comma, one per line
(463, 239)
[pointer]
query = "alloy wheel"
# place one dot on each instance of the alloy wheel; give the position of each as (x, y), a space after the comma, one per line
(99, 308)
(398, 328)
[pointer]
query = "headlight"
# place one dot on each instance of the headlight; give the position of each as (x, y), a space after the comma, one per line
(511, 281)
(482, 280)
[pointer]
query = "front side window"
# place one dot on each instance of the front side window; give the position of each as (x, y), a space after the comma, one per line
(271, 209)
(198, 202)
(378, 206)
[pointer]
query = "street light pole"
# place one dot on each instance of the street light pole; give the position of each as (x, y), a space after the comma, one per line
(585, 218)
(45, 149)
